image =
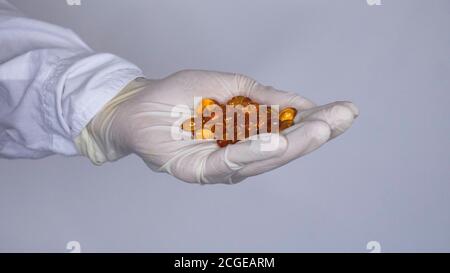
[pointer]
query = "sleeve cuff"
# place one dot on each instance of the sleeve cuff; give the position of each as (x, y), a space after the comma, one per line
(114, 83)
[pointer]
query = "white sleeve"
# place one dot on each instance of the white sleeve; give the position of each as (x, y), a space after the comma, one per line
(51, 85)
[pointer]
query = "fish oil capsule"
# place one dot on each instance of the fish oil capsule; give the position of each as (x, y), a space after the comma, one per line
(188, 125)
(286, 124)
(288, 113)
(206, 103)
(205, 120)
(239, 100)
(255, 104)
(204, 134)
(209, 107)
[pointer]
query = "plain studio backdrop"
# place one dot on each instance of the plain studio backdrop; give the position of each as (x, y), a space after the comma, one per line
(387, 179)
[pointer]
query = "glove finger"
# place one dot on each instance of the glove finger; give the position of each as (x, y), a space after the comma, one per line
(302, 139)
(223, 163)
(339, 116)
(270, 96)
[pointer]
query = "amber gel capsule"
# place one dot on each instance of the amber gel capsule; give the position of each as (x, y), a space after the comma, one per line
(239, 100)
(188, 125)
(286, 124)
(204, 134)
(206, 102)
(285, 119)
(288, 113)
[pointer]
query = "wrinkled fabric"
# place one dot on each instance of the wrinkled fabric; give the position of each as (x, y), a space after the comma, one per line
(51, 85)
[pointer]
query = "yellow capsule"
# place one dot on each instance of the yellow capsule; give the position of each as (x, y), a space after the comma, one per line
(188, 125)
(288, 114)
(204, 104)
(239, 100)
(286, 124)
(204, 134)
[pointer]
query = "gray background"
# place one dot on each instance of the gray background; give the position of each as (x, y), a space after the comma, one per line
(387, 179)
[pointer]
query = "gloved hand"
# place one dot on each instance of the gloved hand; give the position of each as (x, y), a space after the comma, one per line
(141, 120)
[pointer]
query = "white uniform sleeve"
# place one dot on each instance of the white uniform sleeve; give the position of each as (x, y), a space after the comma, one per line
(51, 85)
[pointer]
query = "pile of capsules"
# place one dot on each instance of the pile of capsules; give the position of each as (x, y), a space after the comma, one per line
(207, 111)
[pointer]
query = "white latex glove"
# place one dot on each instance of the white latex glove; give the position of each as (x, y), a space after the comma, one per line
(141, 120)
